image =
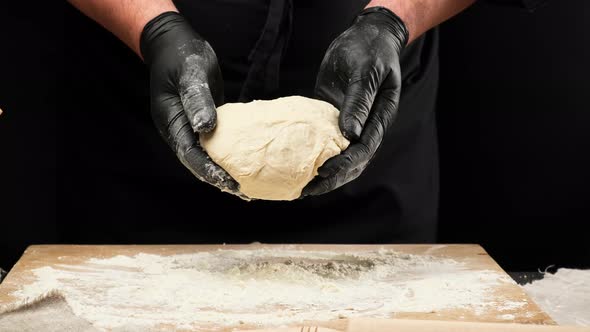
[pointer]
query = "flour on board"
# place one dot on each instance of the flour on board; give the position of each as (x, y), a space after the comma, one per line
(262, 287)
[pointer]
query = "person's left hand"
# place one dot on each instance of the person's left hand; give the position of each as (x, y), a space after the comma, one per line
(360, 75)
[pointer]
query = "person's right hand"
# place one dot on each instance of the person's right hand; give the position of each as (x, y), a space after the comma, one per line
(185, 86)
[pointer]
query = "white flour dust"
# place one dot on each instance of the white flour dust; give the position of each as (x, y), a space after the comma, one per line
(269, 287)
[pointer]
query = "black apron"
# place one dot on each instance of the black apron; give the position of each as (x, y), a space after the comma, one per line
(118, 182)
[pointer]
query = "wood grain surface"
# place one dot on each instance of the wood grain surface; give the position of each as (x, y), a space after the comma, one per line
(473, 256)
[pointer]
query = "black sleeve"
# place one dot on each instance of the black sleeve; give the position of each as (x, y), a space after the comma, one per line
(526, 4)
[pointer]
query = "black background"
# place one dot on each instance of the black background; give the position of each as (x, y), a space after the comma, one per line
(514, 127)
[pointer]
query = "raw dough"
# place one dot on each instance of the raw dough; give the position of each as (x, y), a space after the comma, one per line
(273, 148)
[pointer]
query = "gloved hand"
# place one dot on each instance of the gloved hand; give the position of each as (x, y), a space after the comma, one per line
(360, 75)
(185, 86)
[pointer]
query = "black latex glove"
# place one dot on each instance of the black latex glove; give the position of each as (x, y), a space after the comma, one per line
(185, 86)
(360, 75)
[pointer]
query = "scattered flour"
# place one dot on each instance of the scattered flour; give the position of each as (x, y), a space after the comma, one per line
(232, 287)
(506, 317)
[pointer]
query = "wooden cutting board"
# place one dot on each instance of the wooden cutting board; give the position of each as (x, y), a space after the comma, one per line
(473, 256)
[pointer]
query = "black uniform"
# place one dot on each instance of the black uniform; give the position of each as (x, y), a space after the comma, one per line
(121, 183)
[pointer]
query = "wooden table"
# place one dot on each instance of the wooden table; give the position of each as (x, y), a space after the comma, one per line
(473, 256)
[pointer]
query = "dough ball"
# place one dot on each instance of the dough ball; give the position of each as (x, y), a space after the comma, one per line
(273, 148)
